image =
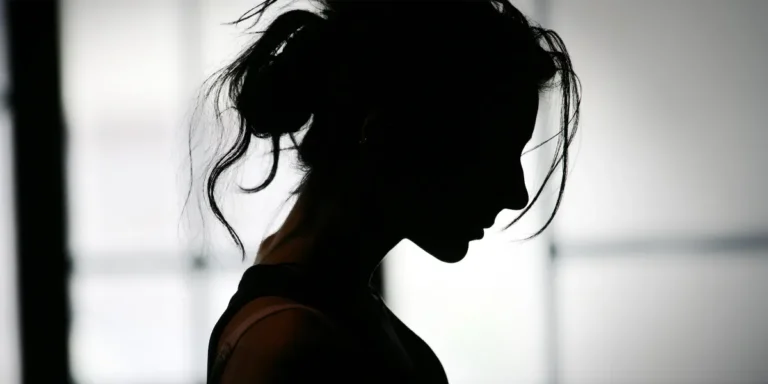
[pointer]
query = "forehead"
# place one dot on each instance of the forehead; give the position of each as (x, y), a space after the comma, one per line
(480, 124)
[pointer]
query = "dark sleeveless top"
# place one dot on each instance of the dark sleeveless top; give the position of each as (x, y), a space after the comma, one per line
(358, 315)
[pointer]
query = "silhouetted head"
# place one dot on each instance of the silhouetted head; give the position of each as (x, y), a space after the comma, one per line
(416, 113)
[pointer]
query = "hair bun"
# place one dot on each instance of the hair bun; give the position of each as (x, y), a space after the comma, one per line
(270, 102)
(276, 98)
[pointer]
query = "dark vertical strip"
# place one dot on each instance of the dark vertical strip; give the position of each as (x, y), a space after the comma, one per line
(38, 139)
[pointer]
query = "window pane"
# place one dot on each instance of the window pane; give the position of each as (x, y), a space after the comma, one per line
(122, 62)
(131, 329)
(661, 152)
(123, 196)
(123, 98)
(663, 318)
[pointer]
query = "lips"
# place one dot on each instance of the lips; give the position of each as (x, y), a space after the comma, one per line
(489, 223)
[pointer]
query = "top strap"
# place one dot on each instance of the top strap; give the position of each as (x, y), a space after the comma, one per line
(234, 337)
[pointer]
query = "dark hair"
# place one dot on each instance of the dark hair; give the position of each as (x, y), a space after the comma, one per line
(306, 66)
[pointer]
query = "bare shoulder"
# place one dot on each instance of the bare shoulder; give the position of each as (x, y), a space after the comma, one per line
(282, 347)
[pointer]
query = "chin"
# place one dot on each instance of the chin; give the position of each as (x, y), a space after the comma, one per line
(447, 252)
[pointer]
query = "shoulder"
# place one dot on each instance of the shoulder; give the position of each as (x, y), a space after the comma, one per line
(284, 346)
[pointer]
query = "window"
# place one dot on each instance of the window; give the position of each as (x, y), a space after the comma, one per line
(663, 236)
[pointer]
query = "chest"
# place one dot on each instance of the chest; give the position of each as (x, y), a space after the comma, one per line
(395, 352)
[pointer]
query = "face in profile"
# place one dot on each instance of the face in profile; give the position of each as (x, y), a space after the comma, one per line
(458, 180)
(447, 101)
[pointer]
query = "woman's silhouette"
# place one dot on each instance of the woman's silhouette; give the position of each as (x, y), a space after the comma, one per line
(416, 114)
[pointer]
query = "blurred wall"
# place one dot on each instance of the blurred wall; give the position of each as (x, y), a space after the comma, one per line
(663, 262)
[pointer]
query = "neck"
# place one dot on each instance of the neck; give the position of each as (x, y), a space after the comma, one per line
(334, 235)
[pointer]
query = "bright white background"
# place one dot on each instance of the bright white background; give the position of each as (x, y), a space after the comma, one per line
(672, 155)
(671, 152)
